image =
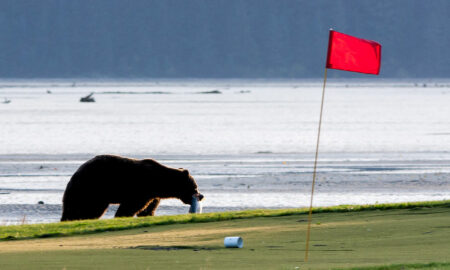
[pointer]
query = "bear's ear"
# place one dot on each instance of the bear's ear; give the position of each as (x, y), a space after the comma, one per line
(185, 172)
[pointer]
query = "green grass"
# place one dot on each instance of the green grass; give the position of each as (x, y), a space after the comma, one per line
(404, 266)
(394, 237)
(20, 232)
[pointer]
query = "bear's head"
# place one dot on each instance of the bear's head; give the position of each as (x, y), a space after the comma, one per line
(188, 188)
(178, 182)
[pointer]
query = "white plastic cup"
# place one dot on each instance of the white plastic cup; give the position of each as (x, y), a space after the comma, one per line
(196, 206)
(233, 242)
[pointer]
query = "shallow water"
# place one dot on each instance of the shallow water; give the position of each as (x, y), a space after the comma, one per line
(249, 147)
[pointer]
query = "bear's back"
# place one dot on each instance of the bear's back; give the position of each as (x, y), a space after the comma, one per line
(107, 168)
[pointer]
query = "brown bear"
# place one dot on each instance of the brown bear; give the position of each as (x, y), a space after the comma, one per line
(137, 185)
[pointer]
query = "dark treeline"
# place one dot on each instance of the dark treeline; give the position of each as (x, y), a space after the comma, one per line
(215, 38)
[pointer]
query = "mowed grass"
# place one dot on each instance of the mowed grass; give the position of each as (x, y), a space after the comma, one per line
(412, 236)
(20, 232)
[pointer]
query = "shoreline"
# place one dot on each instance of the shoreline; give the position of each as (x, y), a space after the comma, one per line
(221, 82)
(17, 214)
(66, 228)
(237, 182)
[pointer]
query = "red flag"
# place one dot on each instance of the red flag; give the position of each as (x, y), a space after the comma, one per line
(353, 54)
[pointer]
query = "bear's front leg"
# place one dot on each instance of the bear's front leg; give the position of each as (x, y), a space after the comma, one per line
(129, 209)
(151, 208)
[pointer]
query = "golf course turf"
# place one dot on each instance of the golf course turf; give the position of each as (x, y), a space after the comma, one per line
(401, 236)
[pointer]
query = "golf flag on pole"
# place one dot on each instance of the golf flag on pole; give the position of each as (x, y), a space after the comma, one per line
(353, 54)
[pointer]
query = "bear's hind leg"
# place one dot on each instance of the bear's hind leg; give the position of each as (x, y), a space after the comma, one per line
(151, 208)
(129, 209)
(83, 210)
(96, 211)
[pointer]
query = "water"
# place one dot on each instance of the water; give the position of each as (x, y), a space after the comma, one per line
(251, 146)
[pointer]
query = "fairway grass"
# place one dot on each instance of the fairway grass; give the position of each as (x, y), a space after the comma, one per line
(20, 232)
(407, 237)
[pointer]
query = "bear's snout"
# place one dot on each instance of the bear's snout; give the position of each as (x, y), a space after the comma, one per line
(188, 200)
(200, 196)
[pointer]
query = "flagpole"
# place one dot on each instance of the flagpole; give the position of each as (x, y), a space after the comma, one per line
(315, 168)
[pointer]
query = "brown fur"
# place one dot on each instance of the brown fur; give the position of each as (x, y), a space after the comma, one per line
(137, 185)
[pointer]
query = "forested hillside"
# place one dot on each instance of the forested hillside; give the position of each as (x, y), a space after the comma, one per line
(215, 38)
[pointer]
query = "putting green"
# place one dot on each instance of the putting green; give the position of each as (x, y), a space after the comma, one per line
(338, 240)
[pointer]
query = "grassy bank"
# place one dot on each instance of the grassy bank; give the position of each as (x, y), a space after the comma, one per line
(401, 236)
(17, 232)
